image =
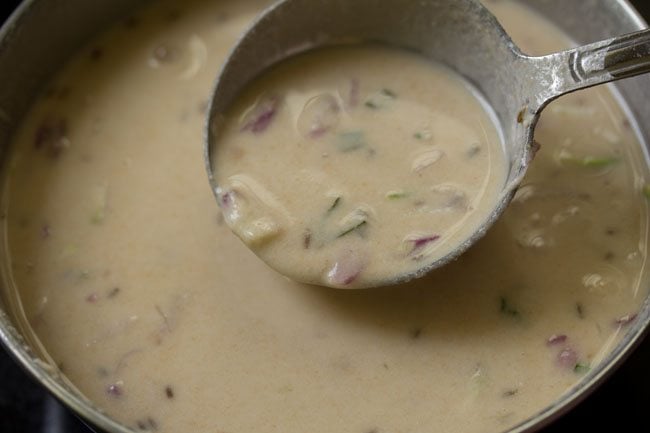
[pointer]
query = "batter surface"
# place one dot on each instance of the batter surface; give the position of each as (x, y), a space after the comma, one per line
(161, 316)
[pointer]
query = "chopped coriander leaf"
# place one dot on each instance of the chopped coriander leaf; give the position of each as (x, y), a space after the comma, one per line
(506, 308)
(380, 99)
(423, 135)
(352, 229)
(351, 141)
(337, 201)
(474, 150)
(371, 105)
(581, 368)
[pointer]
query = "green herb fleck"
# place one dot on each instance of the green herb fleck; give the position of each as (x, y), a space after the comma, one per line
(380, 99)
(353, 229)
(98, 216)
(396, 195)
(646, 190)
(581, 368)
(580, 310)
(590, 161)
(474, 150)
(351, 141)
(100, 202)
(371, 105)
(506, 308)
(423, 135)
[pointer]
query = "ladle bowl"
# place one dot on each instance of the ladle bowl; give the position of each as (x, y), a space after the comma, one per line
(460, 34)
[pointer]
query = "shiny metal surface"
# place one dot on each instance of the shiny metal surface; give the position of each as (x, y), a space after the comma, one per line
(44, 33)
(460, 34)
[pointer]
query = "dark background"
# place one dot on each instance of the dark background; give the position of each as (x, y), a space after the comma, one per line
(620, 405)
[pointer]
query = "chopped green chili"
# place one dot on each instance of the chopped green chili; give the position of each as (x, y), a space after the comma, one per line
(396, 195)
(591, 161)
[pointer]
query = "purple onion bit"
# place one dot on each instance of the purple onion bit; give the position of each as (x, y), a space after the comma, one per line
(420, 243)
(353, 95)
(51, 137)
(49, 130)
(556, 339)
(625, 320)
(262, 115)
(45, 231)
(319, 131)
(226, 199)
(567, 358)
(346, 270)
(325, 120)
(115, 390)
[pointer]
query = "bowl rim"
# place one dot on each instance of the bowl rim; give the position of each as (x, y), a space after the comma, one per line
(15, 345)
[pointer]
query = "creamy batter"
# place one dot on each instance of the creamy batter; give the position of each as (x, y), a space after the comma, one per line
(351, 167)
(161, 316)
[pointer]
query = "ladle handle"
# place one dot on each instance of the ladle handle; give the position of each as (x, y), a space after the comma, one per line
(589, 65)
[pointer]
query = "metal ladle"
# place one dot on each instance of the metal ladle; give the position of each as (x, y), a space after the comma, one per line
(461, 34)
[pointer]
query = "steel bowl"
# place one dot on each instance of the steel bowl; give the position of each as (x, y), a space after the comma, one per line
(42, 35)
